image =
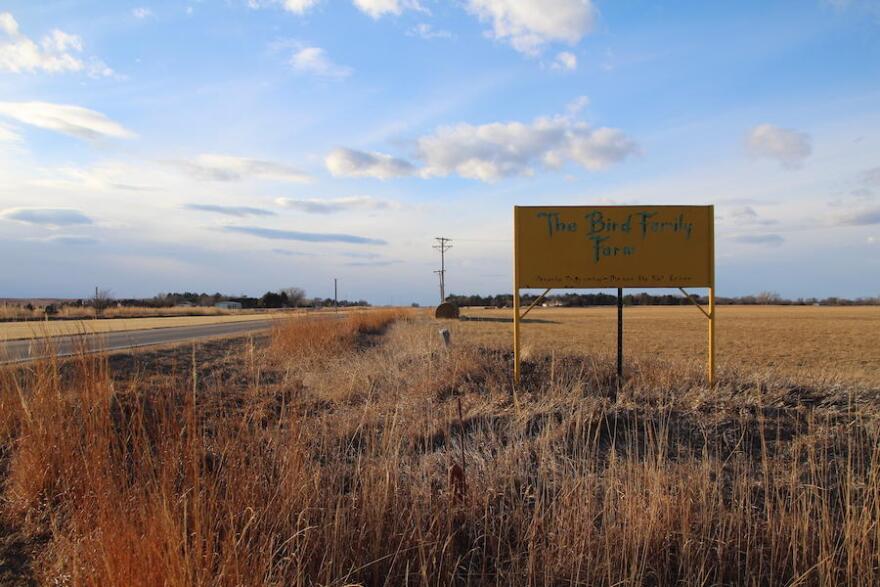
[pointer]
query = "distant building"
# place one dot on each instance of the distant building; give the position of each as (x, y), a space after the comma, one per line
(185, 305)
(228, 305)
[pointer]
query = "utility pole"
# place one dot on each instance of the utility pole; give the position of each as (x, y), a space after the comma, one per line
(442, 246)
(335, 296)
(442, 292)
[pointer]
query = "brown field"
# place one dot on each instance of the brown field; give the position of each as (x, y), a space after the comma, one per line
(363, 451)
(29, 330)
(17, 311)
(794, 341)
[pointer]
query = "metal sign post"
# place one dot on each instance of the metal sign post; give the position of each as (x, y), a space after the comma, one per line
(619, 337)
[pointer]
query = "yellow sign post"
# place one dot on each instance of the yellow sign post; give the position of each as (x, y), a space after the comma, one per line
(613, 247)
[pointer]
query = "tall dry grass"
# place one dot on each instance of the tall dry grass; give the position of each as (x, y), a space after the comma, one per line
(364, 451)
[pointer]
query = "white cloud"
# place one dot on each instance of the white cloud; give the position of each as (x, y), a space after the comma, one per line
(789, 147)
(872, 240)
(314, 60)
(70, 120)
(8, 24)
(295, 6)
(348, 162)
(57, 52)
(215, 167)
(299, 6)
(318, 206)
(428, 32)
(141, 12)
(46, 217)
(565, 60)
(491, 151)
(378, 8)
(528, 25)
(59, 41)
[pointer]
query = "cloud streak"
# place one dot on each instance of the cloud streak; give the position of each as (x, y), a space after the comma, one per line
(371, 263)
(312, 237)
(74, 121)
(47, 217)
(772, 240)
(229, 168)
(746, 215)
(316, 206)
(860, 218)
(71, 239)
(352, 163)
(237, 211)
(287, 253)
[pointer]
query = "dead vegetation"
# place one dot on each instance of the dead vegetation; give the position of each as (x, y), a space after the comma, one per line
(364, 451)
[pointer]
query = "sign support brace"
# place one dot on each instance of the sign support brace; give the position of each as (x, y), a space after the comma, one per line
(710, 368)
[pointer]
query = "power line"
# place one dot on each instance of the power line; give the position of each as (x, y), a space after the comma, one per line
(442, 246)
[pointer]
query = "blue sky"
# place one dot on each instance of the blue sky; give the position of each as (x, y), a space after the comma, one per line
(246, 145)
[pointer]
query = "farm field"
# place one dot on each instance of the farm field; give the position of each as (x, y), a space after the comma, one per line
(32, 330)
(796, 341)
(364, 451)
(16, 311)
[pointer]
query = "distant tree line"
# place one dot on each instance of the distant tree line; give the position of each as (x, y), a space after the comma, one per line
(579, 300)
(291, 297)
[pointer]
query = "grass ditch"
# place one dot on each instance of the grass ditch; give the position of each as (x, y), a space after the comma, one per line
(365, 451)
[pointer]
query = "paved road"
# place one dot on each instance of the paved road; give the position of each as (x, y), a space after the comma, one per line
(27, 350)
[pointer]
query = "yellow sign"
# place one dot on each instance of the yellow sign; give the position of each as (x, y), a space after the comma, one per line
(613, 246)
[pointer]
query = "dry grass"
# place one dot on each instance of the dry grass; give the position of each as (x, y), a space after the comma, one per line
(358, 451)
